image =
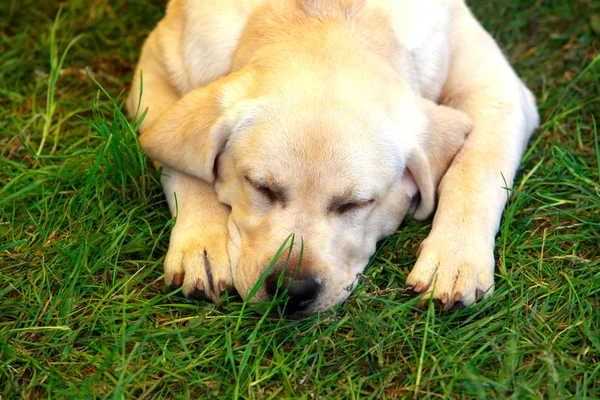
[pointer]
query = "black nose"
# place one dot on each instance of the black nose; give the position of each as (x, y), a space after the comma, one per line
(300, 292)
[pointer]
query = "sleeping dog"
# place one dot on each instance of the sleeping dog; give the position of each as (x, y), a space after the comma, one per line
(331, 120)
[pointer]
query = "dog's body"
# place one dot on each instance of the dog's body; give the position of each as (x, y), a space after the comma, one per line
(326, 119)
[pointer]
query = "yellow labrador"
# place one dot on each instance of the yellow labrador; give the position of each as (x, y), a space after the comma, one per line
(329, 119)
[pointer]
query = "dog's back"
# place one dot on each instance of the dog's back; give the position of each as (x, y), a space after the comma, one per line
(198, 44)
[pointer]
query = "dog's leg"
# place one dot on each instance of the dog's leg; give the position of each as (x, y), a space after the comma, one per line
(456, 261)
(197, 258)
(150, 80)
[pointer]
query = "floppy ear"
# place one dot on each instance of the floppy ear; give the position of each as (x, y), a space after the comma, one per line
(190, 134)
(445, 134)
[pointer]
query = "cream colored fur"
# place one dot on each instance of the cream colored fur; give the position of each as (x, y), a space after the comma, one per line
(329, 103)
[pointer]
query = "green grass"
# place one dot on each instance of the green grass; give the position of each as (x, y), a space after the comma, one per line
(84, 229)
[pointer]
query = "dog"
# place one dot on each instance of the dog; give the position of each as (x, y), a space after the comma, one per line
(330, 120)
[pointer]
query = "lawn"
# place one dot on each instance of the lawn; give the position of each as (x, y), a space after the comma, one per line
(84, 229)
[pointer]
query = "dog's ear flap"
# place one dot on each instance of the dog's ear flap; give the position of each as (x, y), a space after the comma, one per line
(429, 160)
(190, 134)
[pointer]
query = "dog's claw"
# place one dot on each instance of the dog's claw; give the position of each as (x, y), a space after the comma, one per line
(445, 298)
(178, 279)
(177, 282)
(419, 287)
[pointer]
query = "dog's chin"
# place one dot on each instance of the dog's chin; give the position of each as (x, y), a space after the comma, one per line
(279, 310)
(298, 315)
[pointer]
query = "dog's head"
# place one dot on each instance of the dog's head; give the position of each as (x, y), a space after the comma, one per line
(337, 160)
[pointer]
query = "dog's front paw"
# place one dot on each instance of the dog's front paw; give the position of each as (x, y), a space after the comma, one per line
(456, 267)
(198, 261)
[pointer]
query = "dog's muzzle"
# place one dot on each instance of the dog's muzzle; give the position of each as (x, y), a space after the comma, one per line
(299, 292)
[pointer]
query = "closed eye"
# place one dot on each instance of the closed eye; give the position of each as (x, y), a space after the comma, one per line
(347, 208)
(273, 194)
